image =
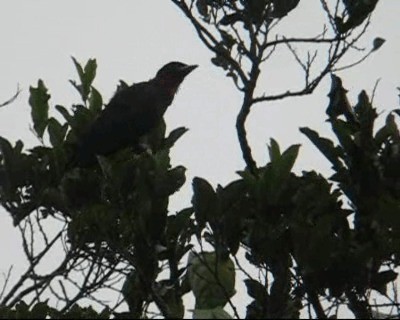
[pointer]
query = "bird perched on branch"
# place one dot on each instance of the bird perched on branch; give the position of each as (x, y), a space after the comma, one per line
(131, 114)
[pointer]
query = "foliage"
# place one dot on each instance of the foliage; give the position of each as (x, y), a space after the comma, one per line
(310, 241)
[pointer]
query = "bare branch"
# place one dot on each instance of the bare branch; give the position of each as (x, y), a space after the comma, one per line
(12, 99)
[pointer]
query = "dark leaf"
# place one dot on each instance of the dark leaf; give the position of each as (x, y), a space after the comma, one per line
(256, 290)
(288, 159)
(274, 151)
(78, 67)
(174, 136)
(64, 113)
(95, 100)
(40, 108)
(40, 310)
(202, 7)
(358, 11)
(204, 201)
(179, 223)
(86, 77)
(90, 73)
(56, 131)
(344, 133)
(326, 146)
(378, 42)
(283, 7)
(338, 102)
(381, 279)
(231, 19)
(122, 85)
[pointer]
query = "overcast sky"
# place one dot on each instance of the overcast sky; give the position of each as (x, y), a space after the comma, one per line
(131, 40)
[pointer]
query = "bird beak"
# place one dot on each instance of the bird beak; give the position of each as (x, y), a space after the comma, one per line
(187, 69)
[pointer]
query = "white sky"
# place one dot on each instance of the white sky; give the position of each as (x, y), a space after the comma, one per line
(132, 39)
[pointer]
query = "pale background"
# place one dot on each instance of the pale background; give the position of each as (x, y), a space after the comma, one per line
(131, 40)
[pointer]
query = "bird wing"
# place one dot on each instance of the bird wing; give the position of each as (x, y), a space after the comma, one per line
(128, 116)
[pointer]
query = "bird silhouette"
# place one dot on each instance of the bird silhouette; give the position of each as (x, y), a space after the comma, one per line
(131, 113)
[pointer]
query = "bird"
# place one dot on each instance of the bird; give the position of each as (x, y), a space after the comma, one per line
(132, 112)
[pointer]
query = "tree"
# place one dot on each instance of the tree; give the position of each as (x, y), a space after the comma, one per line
(306, 248)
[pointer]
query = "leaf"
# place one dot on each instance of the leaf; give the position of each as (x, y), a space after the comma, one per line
(220, 61)
(380, 280)
(86, 77)
(326, 146)
(64, 112)
(357, 11)
(212, 279)
(283, 7)
(121, 85)
(288, 159)
(78, 68)
(90, 73)
(388, 130)
(40, 310)
(56, 132)
(204, 201)
(216, 313)
(174, 136)
(378, 42)
(338, 102)
(230, 19)
(202, 7)
(40, 108)
(256, 290)
(344, 133)
(274, 151)
(179, 223)
(95, 100)
(228, 40)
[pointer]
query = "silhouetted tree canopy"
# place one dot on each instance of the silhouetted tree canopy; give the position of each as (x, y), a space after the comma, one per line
(303, 244)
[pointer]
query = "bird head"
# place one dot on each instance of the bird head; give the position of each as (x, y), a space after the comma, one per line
(172, 74)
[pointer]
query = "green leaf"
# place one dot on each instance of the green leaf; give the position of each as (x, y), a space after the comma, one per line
(64, 112)
(275, 177)
(95, 100)
(40, 108)
(90, 73)
(56, 132)
(212, 279)
(86, 77)
(288, 159)
(274, 151)
(78, 68)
